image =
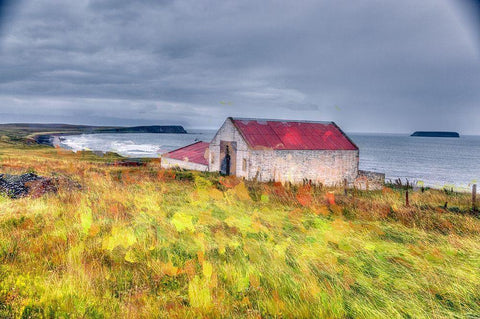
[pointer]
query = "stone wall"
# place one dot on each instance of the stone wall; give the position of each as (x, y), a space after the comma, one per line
(173, 163)
(367, 180)
(318, 166)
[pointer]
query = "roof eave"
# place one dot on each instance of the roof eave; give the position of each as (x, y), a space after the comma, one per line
(345, 135)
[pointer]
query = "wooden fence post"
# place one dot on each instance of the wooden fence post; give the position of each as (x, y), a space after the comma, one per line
(407, 203)
(345, 186)
(474, 197)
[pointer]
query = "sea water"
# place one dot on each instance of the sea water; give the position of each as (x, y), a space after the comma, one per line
(430, 161)
(134, 144)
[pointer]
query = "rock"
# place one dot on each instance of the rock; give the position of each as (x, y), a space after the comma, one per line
(45, 139)
(16, 186)
(435, 134)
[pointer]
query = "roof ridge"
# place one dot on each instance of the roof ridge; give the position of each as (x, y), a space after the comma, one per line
(278, 120)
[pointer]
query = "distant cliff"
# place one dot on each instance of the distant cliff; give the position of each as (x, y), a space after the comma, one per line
(177, 129)
(435, 134)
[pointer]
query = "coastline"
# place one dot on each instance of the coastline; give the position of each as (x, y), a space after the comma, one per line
(52, 140)
(43, 133)
(463, 183)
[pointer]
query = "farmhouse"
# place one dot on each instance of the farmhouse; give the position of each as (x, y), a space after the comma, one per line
(276, 150)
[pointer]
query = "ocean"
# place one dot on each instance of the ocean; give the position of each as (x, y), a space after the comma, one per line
(431, 161)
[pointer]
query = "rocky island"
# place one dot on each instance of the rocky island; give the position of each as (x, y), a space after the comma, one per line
(435, 134)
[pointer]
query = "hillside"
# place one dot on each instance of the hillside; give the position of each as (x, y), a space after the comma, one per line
(145, 242)
(41, 133)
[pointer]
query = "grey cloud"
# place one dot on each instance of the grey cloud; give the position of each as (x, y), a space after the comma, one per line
(387, 65)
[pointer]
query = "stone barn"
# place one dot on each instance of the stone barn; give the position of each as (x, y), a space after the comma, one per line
(285, 151)
(275, 150)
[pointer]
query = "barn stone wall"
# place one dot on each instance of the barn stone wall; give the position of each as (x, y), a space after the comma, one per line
(320, 166)
(173, 163)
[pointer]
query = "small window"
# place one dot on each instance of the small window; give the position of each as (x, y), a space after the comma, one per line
(244, 164)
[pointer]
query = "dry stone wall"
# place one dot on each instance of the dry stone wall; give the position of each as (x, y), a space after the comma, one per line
(367, 180)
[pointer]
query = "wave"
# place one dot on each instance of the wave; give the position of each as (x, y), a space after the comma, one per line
(132, 144)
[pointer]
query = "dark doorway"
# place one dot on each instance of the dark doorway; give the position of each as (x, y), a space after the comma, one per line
(228, 157)
(227, 160)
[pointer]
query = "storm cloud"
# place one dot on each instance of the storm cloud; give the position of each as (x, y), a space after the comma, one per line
(371, 66)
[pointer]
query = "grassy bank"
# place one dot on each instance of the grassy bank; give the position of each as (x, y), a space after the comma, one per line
(145, 242)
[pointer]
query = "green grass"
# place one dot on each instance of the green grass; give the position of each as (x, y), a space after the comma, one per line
(145, 242)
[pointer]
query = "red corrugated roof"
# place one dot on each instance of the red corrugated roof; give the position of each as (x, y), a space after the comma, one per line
(194, 153)
(293, 135)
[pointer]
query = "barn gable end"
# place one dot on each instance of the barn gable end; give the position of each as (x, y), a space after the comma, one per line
(229, 135)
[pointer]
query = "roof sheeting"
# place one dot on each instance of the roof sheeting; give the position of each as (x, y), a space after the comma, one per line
(293, 135)
(194, 153)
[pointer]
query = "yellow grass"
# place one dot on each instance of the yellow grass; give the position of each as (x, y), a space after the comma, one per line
(144, 242)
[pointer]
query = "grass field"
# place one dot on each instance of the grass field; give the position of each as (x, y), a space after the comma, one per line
(145, 242)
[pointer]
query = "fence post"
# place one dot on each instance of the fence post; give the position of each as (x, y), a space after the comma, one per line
(474, 197)
(345, 186)
(407, 203)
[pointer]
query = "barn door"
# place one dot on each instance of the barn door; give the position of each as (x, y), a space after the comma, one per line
(228, 158)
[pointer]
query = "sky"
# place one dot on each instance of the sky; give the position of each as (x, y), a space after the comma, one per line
(370, 66)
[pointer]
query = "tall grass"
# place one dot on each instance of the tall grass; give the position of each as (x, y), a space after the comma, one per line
(145, 242)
